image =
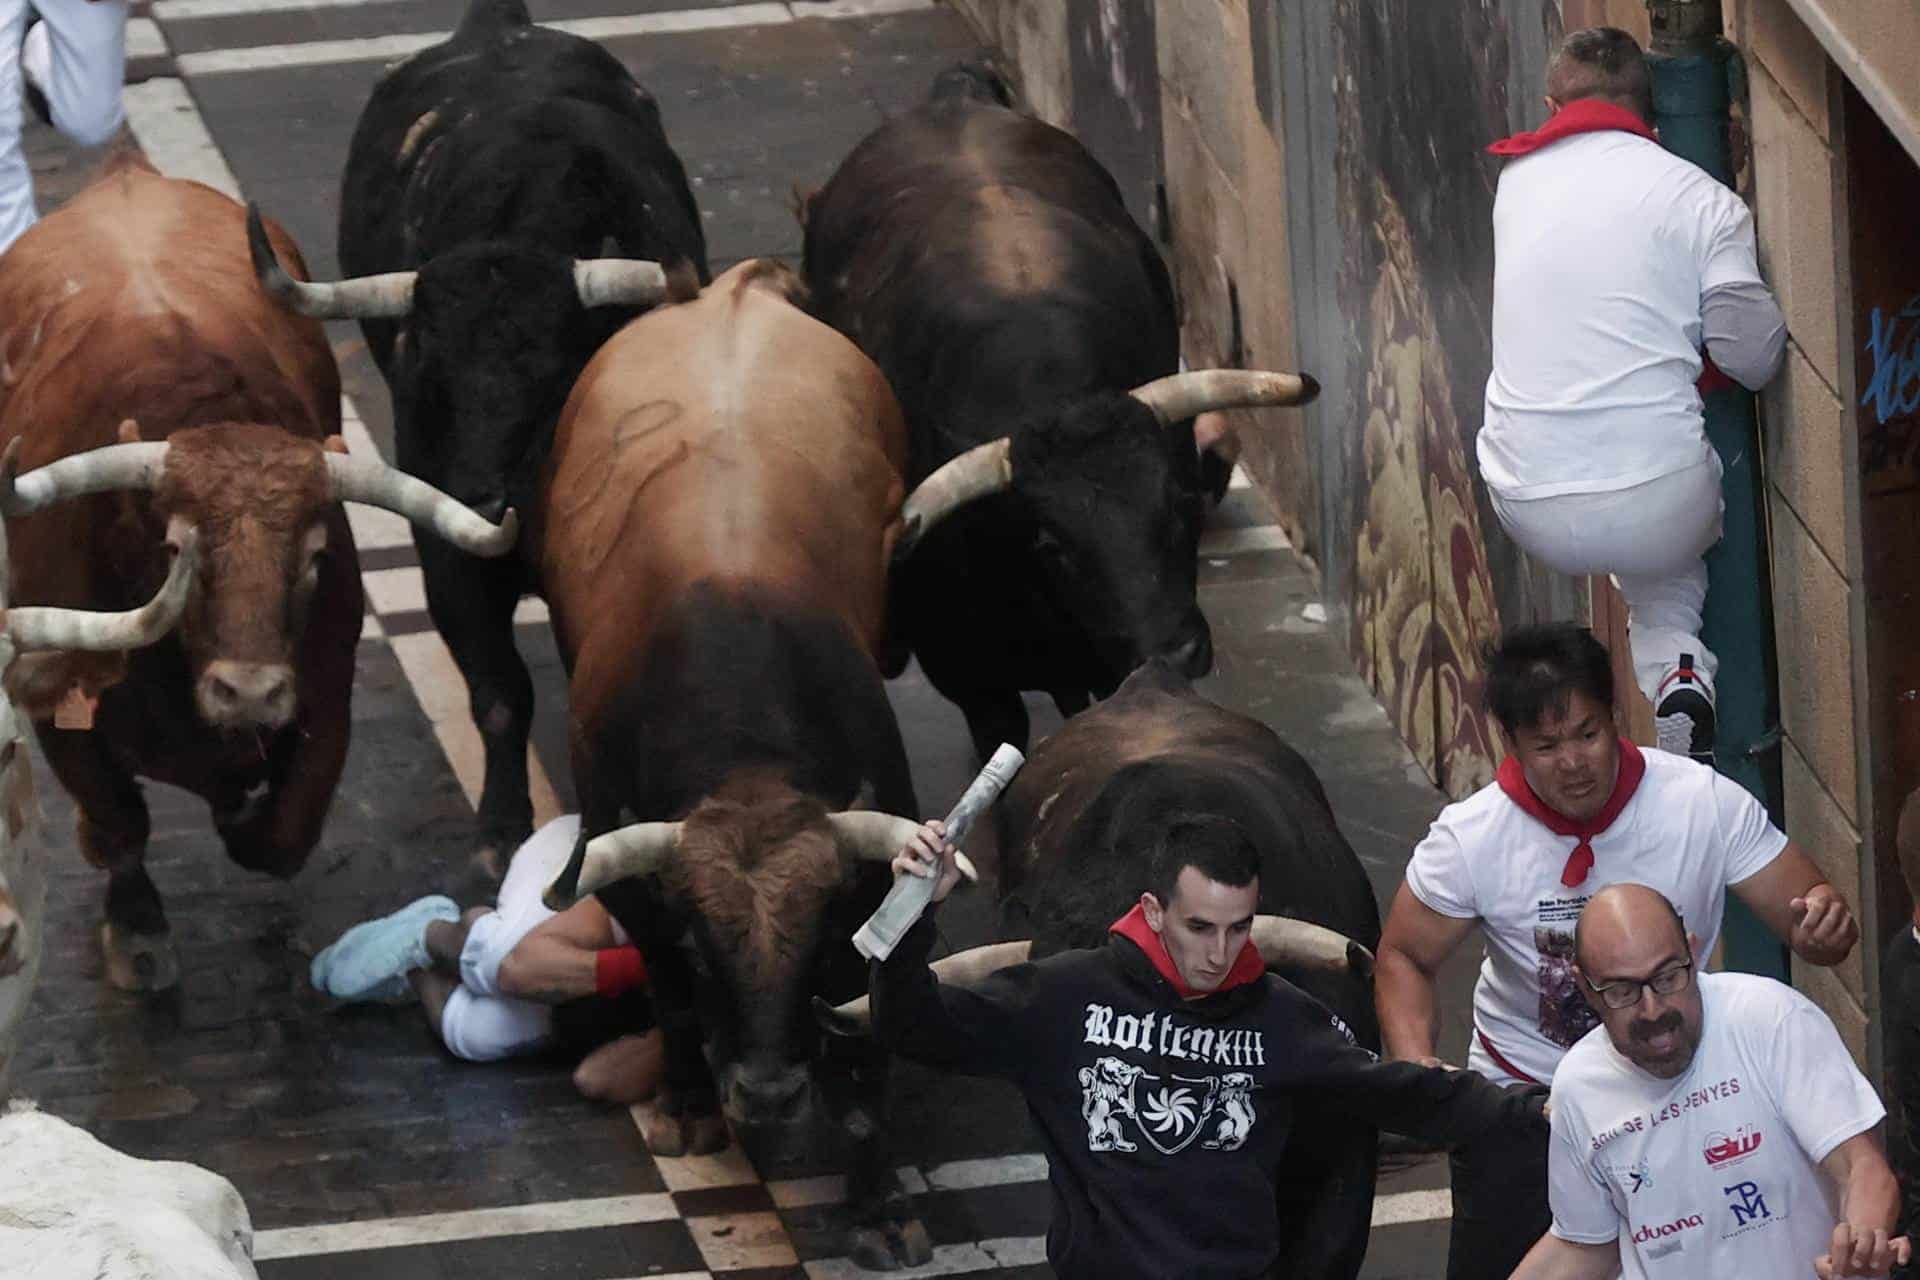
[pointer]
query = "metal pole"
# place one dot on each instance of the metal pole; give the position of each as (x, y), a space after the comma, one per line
(1694, 75)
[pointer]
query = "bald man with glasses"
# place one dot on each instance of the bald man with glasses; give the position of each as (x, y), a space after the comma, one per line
(1712, 1125)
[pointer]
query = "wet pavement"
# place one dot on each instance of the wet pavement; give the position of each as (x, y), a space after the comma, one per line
(360, 1144)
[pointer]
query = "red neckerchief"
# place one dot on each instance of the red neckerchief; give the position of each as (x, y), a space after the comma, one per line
(1133, 926)
(1633, 767)
(1590, 115)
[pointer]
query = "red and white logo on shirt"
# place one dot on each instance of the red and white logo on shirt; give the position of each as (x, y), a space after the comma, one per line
(1722, 1149)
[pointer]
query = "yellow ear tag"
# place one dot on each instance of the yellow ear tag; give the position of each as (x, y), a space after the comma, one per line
(75, 710)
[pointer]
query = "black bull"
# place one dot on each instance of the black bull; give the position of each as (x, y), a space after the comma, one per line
(506, 197)
(987, 264)
(1075, 830)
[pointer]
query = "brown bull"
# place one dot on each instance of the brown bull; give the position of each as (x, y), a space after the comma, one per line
(133, 316)
(718, 514)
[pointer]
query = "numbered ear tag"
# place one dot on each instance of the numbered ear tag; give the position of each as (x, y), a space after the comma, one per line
(75, 710)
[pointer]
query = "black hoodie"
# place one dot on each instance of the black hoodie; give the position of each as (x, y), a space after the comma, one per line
(1164, 1119)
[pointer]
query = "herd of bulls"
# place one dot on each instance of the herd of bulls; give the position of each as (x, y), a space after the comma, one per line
(957, 432)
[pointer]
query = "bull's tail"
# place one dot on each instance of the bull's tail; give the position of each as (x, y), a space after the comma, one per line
(977, 80)
(485, 17)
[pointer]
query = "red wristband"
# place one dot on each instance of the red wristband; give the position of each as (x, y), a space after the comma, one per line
(618, 969)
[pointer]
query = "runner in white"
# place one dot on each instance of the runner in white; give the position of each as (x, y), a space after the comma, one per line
(1574, 808)
(1615, 263)
(1712, 1126)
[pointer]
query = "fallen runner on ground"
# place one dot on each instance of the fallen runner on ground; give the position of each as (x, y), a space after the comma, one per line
(513, 980)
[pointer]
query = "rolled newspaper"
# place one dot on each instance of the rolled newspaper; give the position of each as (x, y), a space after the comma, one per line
(908, 899)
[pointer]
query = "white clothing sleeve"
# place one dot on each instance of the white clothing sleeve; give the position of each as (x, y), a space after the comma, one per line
(1439, 876)
(1583, 1209)
(1750, 838)
(1744, 331)
(1821, 1093)
(1728, 253)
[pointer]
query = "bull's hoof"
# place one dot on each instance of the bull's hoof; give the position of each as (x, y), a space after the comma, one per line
(683, 1134)
(139, 961)
(890, 1246)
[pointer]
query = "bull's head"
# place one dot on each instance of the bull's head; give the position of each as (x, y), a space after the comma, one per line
(35, 644)
(1111, 484)
(489, 340)
(258, 500)
(755, 873)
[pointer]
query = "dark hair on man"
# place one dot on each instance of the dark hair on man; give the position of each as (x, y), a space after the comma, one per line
(1604, 63)
(1537, 668)
(1216, 847)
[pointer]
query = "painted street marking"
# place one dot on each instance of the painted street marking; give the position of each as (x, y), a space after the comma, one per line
(1232, 542)
(470, 1224)
(169, 130)
(144, 39)
(388, 48)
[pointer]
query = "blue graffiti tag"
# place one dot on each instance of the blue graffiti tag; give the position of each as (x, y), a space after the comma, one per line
(1894, 391)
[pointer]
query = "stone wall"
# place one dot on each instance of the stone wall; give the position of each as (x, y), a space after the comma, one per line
(1345, 233)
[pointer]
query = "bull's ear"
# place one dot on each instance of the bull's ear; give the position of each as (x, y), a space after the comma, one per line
(129, 431)
(334, 444)
(36, 682)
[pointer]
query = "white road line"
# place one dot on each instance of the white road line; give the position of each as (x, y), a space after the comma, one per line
(1231, 542)
(144, 39)
(190, 10)
(1412, 1206)
(169, 130)
(311, 53)
(994, 1171)
(948, 1260)
(471, 1224)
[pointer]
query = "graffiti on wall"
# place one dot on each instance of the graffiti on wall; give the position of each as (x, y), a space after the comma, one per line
(1890, 441)
(1417, 197)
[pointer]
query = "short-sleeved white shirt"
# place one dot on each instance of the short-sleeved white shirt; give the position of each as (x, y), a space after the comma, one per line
(1714, 1173)
(1688, 832)
(1604, 244)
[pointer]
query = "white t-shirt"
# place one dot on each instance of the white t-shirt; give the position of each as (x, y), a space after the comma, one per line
(1688, 832)
(1715, 1173)
(1603, 245)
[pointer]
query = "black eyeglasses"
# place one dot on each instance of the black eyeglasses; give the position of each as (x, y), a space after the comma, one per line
(1625, 993)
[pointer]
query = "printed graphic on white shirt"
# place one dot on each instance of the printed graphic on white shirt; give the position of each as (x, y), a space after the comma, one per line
(1715, 1173)
(1687, 831)
(1123, 1103)
(1565, 1015)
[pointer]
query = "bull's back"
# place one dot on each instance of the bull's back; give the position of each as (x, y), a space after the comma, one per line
(986, 261)
(728, 438)
(1157, 746)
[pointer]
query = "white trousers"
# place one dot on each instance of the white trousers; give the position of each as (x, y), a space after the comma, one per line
(77, 56)
(479, 1024)
(1650, 538)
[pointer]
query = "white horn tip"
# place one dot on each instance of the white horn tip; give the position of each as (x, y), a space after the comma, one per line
(966, 866)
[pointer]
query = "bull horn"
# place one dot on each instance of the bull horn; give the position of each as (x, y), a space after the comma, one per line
(619, 282)
(1180, 396)
(635, 850)
(1284, 941)
(40, 627)
(359, 298)
(982, 470)
(379, 485)
(110, 467)
(876, 837)
(961, 969)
